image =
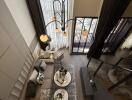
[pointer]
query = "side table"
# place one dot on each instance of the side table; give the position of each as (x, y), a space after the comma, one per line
(66, 82)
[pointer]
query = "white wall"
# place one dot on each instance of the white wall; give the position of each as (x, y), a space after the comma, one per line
(20, 13)
(14, 56)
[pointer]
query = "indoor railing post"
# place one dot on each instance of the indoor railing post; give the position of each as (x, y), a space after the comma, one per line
(120, 82)
(100, 65)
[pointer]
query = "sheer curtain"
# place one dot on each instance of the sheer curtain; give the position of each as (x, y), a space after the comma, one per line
(58, 40)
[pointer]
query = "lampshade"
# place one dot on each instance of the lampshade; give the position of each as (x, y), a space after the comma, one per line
(57, 30)
(65, 34)
(44, 38)
(54, 18)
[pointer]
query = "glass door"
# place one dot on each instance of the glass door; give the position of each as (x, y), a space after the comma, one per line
(84, 33)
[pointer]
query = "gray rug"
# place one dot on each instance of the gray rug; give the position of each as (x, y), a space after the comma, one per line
(71, 88)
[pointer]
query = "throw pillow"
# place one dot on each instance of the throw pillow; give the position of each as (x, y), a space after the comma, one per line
(31, 89)
(37, 63)
(43, 65)
(33, 75)
(44, 54)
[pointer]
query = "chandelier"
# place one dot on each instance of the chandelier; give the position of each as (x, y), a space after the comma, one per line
(61, 18)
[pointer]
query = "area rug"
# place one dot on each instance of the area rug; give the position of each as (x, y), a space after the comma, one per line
(71, 88)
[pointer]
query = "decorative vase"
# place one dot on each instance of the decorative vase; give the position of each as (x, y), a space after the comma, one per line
(40, 78)
(62, 74)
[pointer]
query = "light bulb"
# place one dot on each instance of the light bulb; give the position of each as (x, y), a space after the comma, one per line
(65, 33)
(44, 38)
(57, 30)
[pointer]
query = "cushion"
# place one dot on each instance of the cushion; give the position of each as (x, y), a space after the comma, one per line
(40, 78)
(31, 89)
(44, 54)
(43, 65)
(49, 61)
(37, 63)
(34, 75)
(59, 55)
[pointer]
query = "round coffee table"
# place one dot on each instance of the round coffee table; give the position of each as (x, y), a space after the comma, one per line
(66, 82)
(61, 92)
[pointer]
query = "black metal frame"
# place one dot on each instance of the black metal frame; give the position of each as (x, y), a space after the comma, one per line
(113, 37)
(129, 76)
(35, 10)
(81, 53)
(62, 15)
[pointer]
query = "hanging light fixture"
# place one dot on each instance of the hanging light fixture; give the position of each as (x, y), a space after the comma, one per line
(62, 15)
(53, 18)
(57, 30)
(62, 19)
(45, 38)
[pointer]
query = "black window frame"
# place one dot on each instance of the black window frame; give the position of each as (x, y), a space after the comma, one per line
(116, 37)
(73, 36)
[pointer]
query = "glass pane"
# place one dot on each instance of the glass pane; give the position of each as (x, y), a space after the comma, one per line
(79, 22)
(92, 28)
(75, 49)
(82, 43)
(87, 23)
(77, 38)
(80, 49)
(78, 29)
(86, 50)
(87, 45)
(84, 40)
(90, 38)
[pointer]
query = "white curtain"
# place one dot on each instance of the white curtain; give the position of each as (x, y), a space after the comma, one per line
(58, 40)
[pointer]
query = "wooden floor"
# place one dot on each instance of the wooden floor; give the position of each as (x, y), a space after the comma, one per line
(81, 61)
(77, 61)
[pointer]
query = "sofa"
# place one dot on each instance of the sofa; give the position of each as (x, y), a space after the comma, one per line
(51, 56)
(45, 60)
(40, 90)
